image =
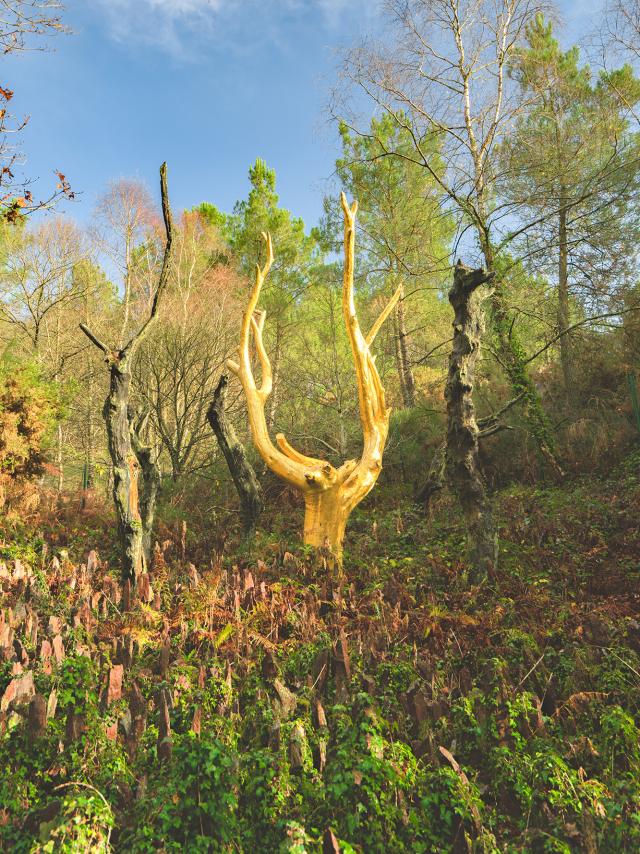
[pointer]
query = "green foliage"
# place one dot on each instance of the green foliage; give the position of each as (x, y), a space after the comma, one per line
(29, 407)
(84, 823)
(193, 806)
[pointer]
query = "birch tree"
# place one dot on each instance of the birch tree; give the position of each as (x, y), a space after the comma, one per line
(442, 70)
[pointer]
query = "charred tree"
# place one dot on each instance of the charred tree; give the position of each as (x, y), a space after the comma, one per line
(126, 467)
(244, 477)
(463, 468)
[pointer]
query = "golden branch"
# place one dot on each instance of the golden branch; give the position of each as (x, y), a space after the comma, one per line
(373, 412)
(383, 316)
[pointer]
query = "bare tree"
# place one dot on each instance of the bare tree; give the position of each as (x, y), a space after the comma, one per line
(179, 363)
(622, 27)
(126, 466)
(123, 228)
(37, 280)
(22, 19)
(21, 23)
(443, 71)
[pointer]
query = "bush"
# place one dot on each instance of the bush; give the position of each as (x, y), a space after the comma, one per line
(28, 411)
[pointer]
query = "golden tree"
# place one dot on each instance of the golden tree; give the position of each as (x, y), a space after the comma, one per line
(329, 494)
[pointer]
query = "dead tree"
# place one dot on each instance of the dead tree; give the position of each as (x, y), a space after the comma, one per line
(126, 468)
(242, 472)
(149, 483)
(329, 494)
(462, 465)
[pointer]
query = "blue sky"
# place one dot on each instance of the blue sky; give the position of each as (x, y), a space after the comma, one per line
(208, 85)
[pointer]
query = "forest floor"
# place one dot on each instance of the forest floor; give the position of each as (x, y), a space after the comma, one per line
(248, 702)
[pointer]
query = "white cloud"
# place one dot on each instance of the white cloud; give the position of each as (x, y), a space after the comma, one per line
(168, 24)
(182, 26)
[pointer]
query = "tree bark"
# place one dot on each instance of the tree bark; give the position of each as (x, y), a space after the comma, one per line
(243, 475)
(126, 469)
(398, 355)
(513, 359)
(463, 468)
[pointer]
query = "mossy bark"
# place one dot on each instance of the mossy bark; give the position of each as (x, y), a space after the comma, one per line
(407, 380)
(435, 479)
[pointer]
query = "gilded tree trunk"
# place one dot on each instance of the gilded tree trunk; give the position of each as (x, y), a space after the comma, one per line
(325, 521)
(329, 494)
(126, 469)
(463, 467)
(244, 477)
(149, 481)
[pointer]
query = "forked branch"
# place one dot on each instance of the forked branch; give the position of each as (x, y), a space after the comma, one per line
(291, 469)
(166, 262)
(329, 493)
(374, 414)
(133, 342)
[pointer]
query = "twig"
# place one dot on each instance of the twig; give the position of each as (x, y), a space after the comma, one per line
(626, 663)
(524, 678)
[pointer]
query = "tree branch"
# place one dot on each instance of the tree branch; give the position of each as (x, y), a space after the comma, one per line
(164, 272)
(94, 339)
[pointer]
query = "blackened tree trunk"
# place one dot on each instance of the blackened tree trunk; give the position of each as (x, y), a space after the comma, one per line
(242, 473)
(126, 469)
(463, 467)
(149, 483)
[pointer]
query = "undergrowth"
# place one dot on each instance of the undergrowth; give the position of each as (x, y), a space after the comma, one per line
(395, 710)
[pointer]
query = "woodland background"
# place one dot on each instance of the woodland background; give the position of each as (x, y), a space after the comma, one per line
(423, 712)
